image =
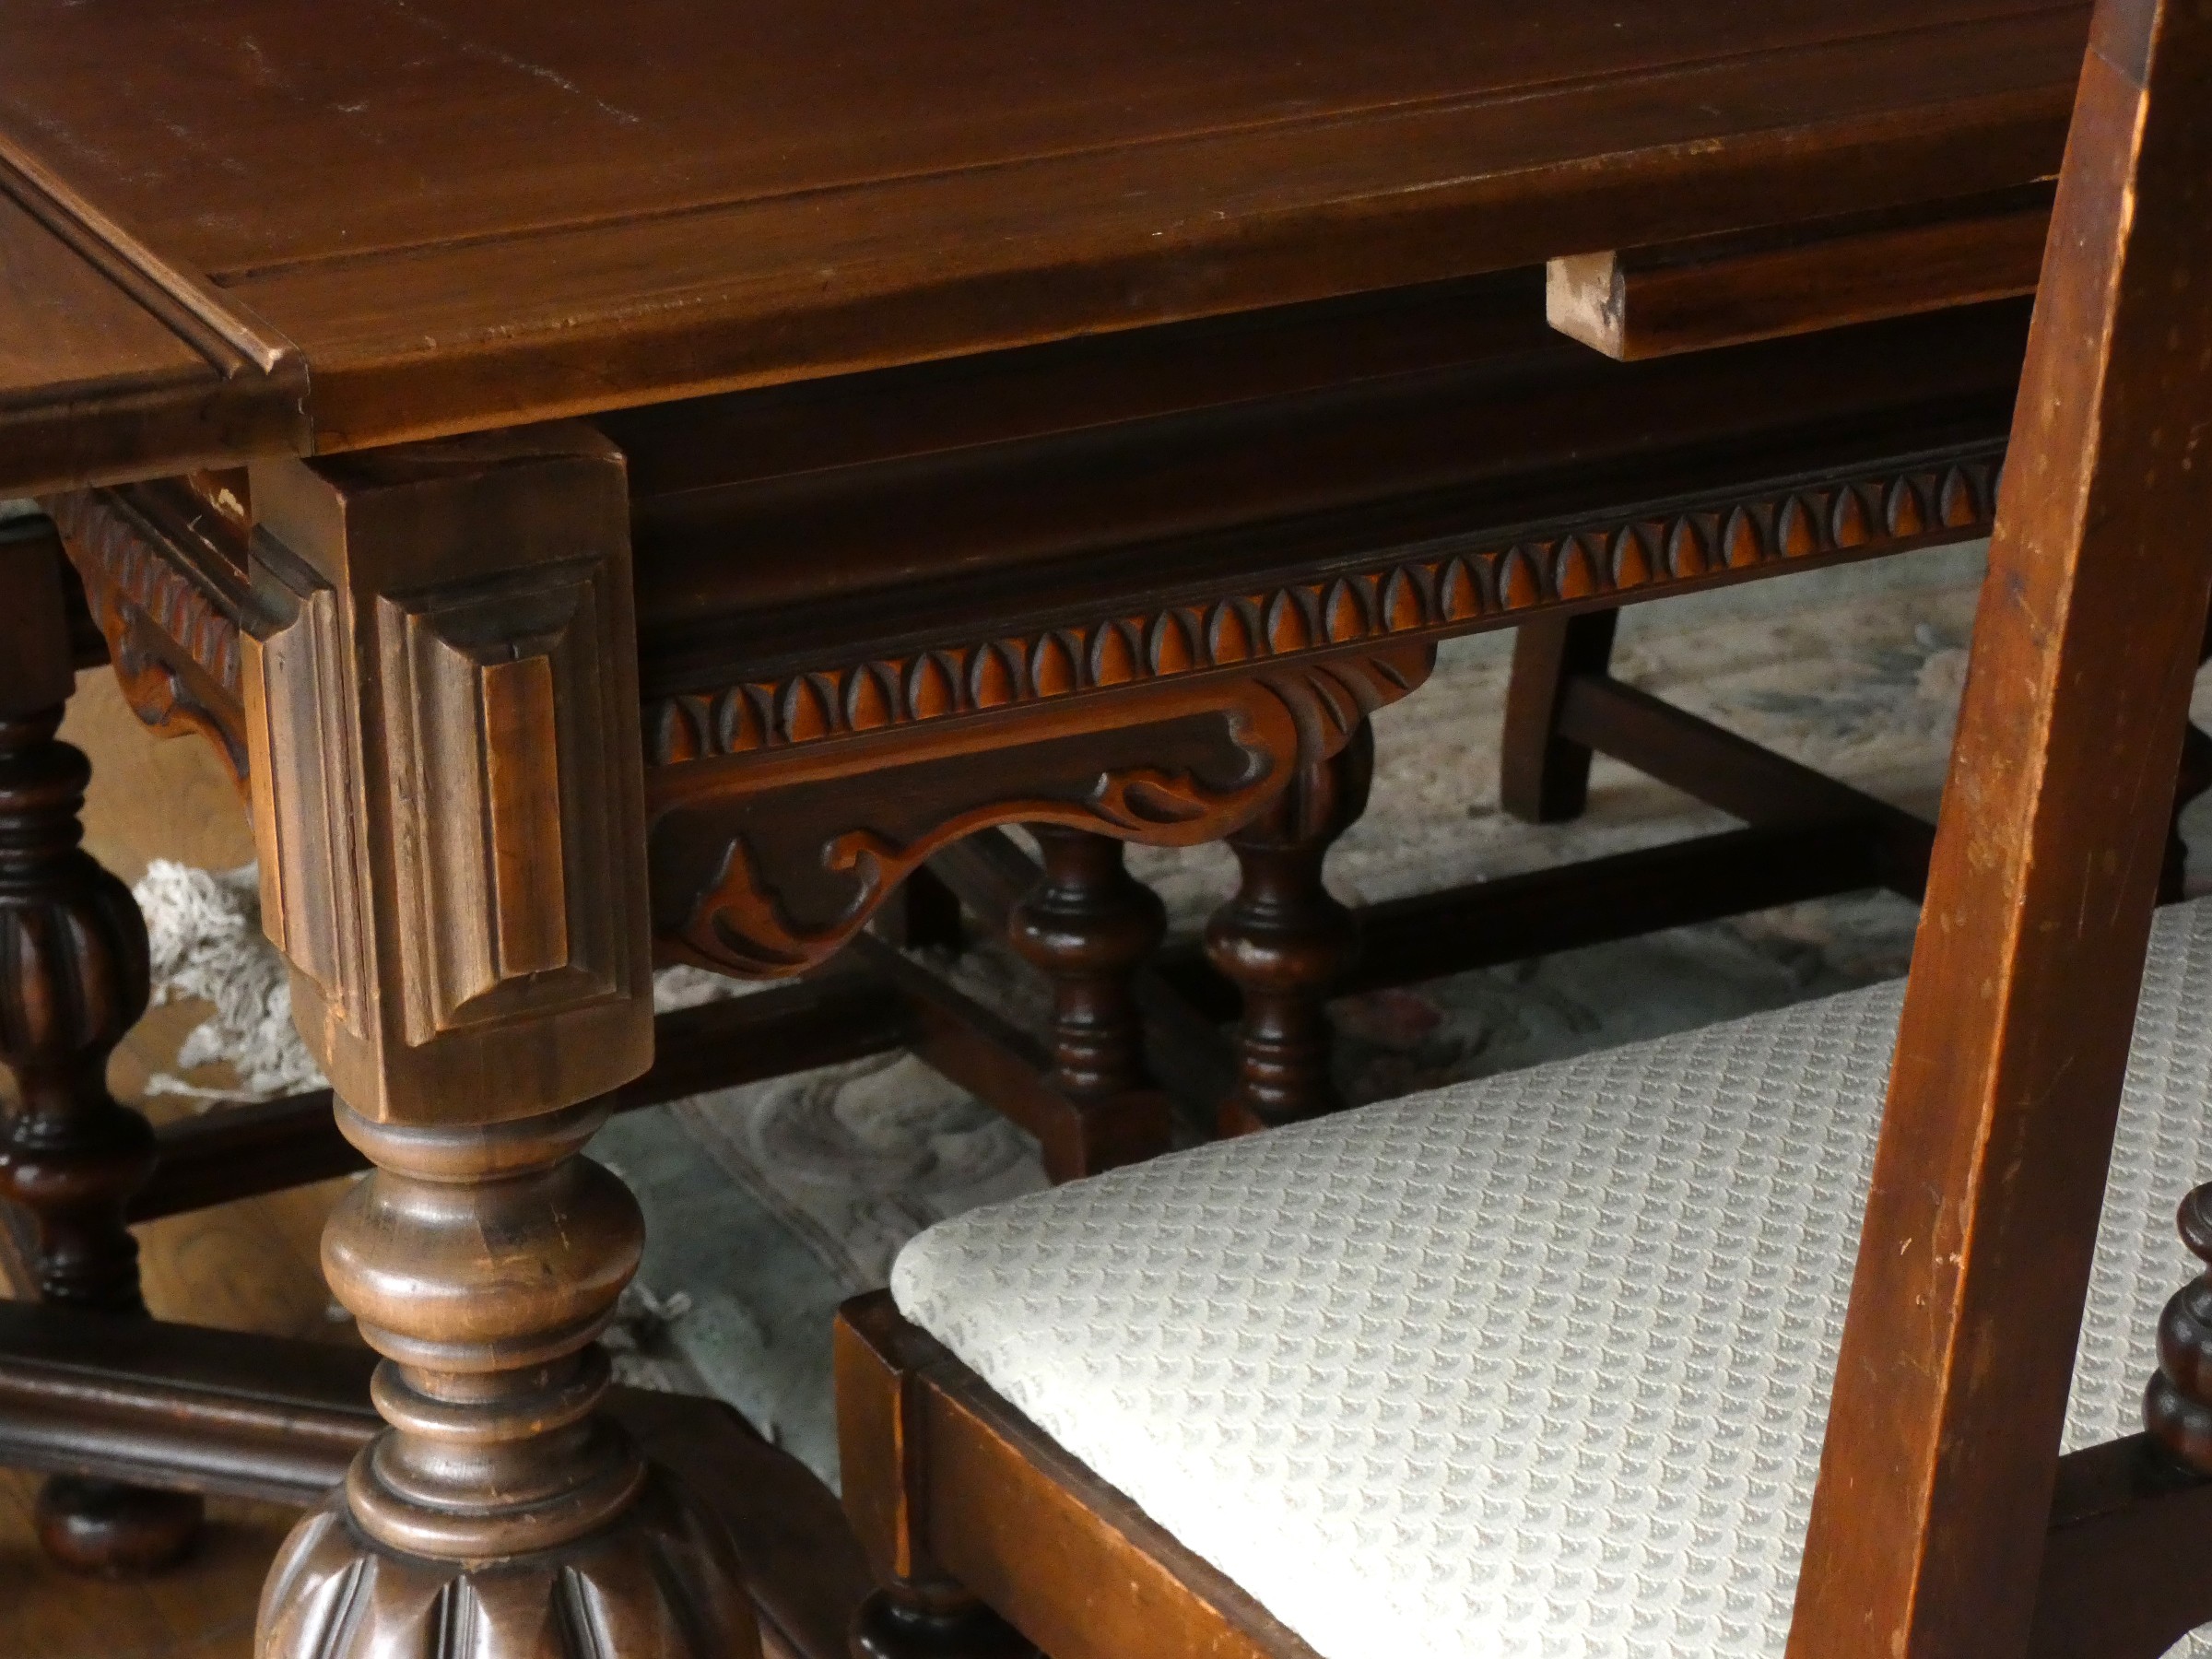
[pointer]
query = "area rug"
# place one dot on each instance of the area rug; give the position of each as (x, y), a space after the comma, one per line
(770, 1204)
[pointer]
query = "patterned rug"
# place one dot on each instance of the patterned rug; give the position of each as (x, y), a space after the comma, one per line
(770, 1204)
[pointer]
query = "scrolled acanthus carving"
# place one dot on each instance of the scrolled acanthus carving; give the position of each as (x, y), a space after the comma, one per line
(761, 869)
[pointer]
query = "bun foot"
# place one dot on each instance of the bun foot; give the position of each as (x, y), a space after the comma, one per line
(661, 1583)
(109, 1530)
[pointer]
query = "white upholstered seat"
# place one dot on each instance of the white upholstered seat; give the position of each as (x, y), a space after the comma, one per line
(1536, 1365)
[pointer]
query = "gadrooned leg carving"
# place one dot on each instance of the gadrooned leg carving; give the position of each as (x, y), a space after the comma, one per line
(500, 1516)
(1086, 926)
(72, 982)
(2177, 1406)
(912, 1620)
(1284, 940)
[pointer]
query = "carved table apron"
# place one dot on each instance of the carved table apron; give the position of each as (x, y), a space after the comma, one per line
(1154, 669)
(617, 485)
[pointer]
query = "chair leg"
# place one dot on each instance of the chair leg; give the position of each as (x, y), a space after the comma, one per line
(1087, 927)
(919, 1611)
(1544, 778)
(910, 1620)
(2177, 1406)
(72, 982)
(1283, 941)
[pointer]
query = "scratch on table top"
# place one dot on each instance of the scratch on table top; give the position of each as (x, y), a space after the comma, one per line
(508, 60)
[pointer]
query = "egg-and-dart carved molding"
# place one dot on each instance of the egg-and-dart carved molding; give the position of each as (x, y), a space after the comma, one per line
(1445, 590)
(141, 580)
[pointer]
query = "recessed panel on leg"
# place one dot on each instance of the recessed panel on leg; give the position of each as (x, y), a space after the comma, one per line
(442, 713)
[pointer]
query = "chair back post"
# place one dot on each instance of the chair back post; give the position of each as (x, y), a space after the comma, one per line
(1935, 1482)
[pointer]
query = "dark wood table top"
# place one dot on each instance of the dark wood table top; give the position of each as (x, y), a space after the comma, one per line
(241, 226)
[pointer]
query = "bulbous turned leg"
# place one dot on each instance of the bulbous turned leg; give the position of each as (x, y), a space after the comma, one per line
(911, 1620)
(2177, 1406)
(1283, 940)
(500, 1516)
(1087, 927)
(72, 982)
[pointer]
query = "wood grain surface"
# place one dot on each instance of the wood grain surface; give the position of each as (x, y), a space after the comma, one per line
(1951, 1384)
(463, 214)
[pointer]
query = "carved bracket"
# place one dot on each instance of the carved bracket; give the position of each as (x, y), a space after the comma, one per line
(171, 622)
(764, 866)
(1163, 725)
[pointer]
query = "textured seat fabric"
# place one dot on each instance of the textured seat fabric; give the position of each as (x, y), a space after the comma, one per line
(1535, 1365)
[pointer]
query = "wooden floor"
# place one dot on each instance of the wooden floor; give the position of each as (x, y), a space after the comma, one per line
(203, 1610)
(246, 1266)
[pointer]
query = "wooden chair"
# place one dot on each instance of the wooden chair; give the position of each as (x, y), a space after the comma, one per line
(1548, 1357)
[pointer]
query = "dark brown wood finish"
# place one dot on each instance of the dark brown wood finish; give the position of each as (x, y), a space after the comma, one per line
(1944, 1524)
(73, 981)
(944, 1478)
(186, 1408)
(655, 201)
(165, 567)
(987, 679)
(113, 364)
(2195, 780)
(1183, 1043)
(441, 698)
(482, 1264)
(1285, 941)
(1035, 541)
(2177, 1406)
(1734, 775)
(2120, 1576)
(1988, 1180)
(1724, 290)
(1087, 925)
(1543, 777)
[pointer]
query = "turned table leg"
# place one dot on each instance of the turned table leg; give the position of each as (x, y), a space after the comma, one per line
(442, 724)
(72, 982)
(1544, 778)
(1284, 940)
(483, 1262)
(1087, 927)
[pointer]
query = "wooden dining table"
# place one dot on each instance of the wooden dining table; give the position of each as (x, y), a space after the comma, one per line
(634, 484)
